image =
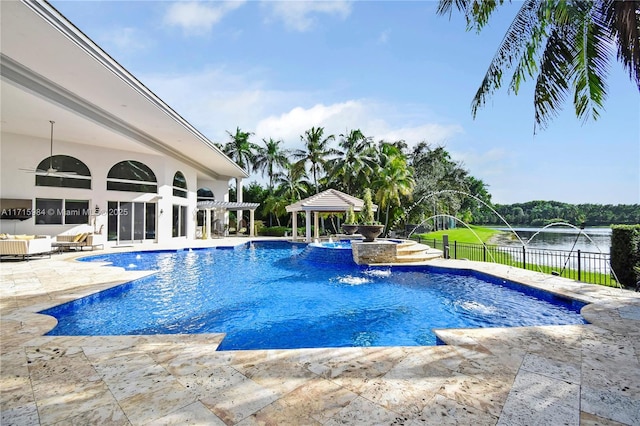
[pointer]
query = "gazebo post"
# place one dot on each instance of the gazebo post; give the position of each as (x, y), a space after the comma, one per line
(251, 224)
(316, 225)
(294, 224)
(307, 217)
(239, 200)
(207, 224)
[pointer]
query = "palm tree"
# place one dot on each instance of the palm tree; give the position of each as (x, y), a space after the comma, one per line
(354, 164)
(240, 149)
(564, 45)
(292, 183)
(393, 180)
(269, 157)
(276, 206)
(316, 150)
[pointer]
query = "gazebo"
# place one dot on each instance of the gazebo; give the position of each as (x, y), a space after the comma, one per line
(219, 208)
(329, 201)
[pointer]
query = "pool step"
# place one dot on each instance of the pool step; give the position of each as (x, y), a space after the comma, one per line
(408, 247)
(411, 251)
(390, 252)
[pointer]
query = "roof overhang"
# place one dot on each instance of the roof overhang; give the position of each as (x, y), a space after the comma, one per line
(51, 71)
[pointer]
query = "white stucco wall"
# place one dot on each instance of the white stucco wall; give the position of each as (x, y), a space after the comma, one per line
(25, 152)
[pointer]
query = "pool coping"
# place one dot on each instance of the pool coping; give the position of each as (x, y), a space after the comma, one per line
(486, 374)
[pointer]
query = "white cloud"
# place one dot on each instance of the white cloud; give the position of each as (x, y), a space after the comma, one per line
(217, 100)
(383, 38)
(196, 17)
(126, 40)
(289, 125)
(299, 15)
(434, 133)
(341, 117)
(495, 163)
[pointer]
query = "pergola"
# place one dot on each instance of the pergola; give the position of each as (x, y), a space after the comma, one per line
(329, 201)
(222, 207)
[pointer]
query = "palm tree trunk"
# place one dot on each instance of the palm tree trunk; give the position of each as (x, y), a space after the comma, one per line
(386, 222)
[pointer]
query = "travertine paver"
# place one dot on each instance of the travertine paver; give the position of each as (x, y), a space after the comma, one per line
(578, 374)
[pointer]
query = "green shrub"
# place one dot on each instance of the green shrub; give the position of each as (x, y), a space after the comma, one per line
(625, 253)
(274, 231)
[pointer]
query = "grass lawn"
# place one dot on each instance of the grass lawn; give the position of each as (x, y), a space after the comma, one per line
(463, 235)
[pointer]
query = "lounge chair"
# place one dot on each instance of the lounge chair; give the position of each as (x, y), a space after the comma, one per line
(67, 242)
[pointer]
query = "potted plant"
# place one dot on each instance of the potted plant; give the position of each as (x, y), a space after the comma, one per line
(369, 228)
(350, 225)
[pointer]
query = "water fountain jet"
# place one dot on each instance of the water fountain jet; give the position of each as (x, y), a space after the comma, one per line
(431, 194)
(580, 232)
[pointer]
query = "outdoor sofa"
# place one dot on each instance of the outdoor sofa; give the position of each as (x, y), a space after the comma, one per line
(25, 246)
(80, 241)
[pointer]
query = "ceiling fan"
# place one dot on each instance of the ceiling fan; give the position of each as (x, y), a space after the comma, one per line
(51, 171)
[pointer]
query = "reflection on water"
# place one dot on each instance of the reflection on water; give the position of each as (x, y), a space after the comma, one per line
(563, 238)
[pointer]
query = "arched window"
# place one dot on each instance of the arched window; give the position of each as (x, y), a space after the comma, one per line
(205, 194)
(179, 185)
(132, 176)
(63, 171)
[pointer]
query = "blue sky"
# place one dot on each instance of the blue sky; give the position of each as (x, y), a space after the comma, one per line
(395, 70)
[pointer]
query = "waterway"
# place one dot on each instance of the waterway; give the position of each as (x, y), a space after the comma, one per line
(560, 238)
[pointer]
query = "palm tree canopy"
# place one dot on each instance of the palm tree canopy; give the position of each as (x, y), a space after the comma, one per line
(354, 163)
(564, 44)
(393, 179)
(395, 176)
(292, 183)
(240, 149)
(270, 157)
(316, 151)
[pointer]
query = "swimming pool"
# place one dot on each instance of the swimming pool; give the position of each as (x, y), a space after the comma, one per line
(269, 295)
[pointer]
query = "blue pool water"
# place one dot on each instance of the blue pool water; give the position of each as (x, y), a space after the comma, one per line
(277, 295)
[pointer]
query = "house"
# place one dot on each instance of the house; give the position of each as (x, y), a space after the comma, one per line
(85, 144)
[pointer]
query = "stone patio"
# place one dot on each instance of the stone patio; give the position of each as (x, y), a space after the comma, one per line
(579, 374)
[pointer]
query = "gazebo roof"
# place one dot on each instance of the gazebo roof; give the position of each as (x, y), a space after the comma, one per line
(330, 200)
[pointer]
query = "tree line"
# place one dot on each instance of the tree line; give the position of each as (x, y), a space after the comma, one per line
(401, 178)
(541, 213)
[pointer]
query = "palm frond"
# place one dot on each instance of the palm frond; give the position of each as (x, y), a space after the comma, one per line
(590, 68)
(511, 47)
(622, 18)
(528, 63)
(476, 12)
(552, 84)
(445, 7)
(482, 10)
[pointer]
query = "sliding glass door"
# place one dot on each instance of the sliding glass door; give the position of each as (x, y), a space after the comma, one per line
(131, 221)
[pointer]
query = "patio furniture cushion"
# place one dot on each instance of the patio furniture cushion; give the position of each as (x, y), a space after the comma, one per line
(80, 237)
(25, 247)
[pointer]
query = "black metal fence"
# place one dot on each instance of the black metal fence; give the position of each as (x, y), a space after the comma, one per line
(588, 267)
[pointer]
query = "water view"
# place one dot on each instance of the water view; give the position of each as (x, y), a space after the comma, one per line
(594, 240)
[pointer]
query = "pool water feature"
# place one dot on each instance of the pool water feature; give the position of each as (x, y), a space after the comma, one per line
(269, 296)
(329, 253)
